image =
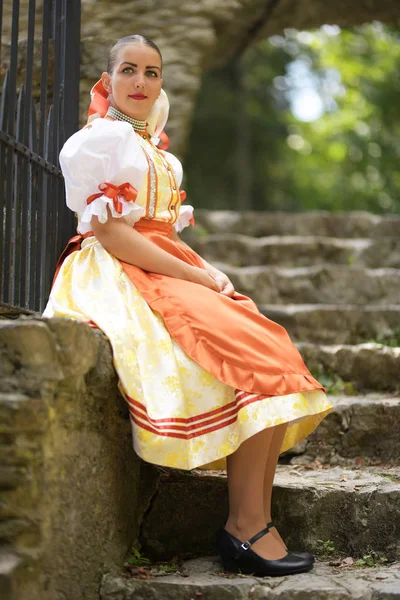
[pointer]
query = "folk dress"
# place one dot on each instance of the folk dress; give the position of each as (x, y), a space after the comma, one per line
(201, 372)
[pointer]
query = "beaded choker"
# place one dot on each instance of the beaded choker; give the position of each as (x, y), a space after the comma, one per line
(116, 114)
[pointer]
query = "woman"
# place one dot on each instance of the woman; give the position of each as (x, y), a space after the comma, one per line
(205, 375)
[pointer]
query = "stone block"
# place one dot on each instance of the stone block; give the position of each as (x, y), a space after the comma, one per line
(366, 366)
(297, 251)
(27, 347)
(320, 284)
(203, 579)
(352, 224)
(358, 510)
(70, 504)
(335, 323)
(364, 428)
(8, 311)
(9, 564)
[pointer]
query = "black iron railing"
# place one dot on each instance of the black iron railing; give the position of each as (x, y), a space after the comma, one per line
(39, 110)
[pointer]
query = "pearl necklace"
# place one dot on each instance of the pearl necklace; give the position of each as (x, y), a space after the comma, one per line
(136, 124)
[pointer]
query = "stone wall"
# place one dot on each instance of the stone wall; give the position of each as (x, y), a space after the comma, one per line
(195, 36)
(70, 499)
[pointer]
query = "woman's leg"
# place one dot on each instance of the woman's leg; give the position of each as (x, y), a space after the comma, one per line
(246, 475)
(270, 468)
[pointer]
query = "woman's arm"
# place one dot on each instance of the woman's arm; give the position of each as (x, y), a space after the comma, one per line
(121, 240)
(225, 286)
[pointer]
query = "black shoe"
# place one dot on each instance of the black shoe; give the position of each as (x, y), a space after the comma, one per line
(236, 556)
(306, 555)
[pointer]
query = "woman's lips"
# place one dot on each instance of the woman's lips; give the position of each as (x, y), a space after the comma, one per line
(138, 97)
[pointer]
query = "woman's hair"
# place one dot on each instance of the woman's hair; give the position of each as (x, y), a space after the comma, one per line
(127, 41)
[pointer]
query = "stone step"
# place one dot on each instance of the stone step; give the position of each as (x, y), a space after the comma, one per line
(203, 579)
(8, 311)
(321, 284)
(337, 324)
(351, 510)
(298, 251)
(365, 429)
(364, 366)
(357, 224)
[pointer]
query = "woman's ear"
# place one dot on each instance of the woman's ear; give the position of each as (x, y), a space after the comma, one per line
(106, 81)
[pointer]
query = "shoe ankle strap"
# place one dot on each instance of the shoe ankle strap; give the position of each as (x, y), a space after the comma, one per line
(252, 540)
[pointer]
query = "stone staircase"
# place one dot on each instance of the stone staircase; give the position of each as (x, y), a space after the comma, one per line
(74, 495)
(334, 282)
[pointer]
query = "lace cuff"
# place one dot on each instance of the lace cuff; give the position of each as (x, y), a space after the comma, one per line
(121, 201)
(99, 208)
(185, 218)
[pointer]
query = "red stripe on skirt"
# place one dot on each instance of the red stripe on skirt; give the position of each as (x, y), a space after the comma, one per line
(203, 416)
(173, 430)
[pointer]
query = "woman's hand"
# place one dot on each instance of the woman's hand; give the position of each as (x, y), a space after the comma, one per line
(221, 282)
(224, 283)
(209, 276)
(201, 276)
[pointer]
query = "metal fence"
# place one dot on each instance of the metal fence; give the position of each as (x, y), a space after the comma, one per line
(39, 108)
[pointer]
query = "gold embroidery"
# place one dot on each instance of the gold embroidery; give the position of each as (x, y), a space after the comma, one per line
(152, 183)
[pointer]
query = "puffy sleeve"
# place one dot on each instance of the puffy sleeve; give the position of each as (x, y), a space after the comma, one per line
(105, 152)
(185, 218)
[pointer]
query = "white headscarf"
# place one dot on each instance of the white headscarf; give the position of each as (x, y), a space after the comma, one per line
(158, 116)
(156, 119)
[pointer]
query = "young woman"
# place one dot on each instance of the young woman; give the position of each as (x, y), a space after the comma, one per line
(205, 375)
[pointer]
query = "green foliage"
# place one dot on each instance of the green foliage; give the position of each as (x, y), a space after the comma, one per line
(326, 547)
(168, 567)
(332, 382)
(392, 340)
(139, 565)
(372, 559)
(248, 149)
(390, 476)
(136, 558)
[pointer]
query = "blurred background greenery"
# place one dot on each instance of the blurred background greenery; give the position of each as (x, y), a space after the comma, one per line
(302, 121)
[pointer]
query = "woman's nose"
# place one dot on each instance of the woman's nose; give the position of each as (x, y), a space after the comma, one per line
(139, 80)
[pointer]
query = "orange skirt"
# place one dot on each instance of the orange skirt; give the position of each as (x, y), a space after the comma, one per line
(228, 337)
(201, 372)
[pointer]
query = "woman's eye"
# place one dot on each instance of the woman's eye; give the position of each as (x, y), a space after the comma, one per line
(152, 73)
(127, 70)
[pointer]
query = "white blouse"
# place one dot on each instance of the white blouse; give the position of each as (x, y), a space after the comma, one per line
(109, 151)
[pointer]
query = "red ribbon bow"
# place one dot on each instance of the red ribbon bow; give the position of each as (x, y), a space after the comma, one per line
(126, 190)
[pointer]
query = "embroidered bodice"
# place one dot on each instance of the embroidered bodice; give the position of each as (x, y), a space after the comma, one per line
(159, 194)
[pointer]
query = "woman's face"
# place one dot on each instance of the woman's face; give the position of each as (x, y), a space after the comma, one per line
(135, 83)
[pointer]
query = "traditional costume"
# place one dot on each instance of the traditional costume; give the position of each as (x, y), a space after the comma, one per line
(200, 371)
